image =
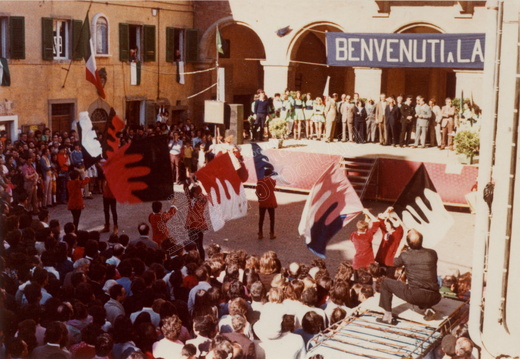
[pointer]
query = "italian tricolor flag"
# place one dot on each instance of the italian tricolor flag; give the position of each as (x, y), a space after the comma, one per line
(90, 59)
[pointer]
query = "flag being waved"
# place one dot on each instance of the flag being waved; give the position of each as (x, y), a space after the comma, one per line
(90, 146)
(140, 171)
(90, 58)
(331, 205)
(419, 206)
(225, 191)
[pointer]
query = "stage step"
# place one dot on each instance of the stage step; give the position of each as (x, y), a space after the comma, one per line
(359, 171)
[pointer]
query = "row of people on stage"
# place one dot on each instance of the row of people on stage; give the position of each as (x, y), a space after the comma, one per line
(390, 121)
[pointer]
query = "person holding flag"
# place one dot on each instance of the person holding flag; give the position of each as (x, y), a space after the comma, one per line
(362, 239)
(267, 202)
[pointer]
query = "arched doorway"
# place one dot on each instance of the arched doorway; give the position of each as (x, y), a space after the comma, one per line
(429, 82)
(308, 58)
(243, 51)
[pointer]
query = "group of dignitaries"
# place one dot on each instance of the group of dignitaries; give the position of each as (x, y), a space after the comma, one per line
(390, 121)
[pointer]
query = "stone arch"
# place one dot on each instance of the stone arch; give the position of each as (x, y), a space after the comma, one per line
(307, 58)
(429, 82)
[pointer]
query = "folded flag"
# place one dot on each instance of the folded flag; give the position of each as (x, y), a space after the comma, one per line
(225, 191)
(90, 59)
(90, 146)
(419, 206)
(111, 141)
(332, 204)
(140, 171)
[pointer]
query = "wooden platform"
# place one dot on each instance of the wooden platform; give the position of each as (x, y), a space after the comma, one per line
(361, 336)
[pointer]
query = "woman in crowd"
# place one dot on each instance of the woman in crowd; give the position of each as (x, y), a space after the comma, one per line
(318, 117)
(309, 111)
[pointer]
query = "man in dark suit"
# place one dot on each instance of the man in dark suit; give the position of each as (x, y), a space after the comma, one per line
(56, 337)
(238, 322)
(407, 120)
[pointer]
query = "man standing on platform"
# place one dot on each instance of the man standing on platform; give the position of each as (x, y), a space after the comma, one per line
(423, 113)
(330, 117)
(347, 120)
(422, 288)
(407, 116)
(380, 119)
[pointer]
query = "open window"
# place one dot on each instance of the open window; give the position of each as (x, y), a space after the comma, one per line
(136, 42)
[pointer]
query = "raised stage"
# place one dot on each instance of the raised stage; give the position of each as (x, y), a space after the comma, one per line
(300, 163)
(361, 336)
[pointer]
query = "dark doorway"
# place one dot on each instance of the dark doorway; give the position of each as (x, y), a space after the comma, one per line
(62, 116)
(133, 113)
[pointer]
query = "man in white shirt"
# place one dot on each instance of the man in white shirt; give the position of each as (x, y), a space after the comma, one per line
(170, 346)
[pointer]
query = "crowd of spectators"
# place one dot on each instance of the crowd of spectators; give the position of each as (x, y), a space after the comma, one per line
(66, 294)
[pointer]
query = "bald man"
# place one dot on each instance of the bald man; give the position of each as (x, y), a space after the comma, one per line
(422, 288)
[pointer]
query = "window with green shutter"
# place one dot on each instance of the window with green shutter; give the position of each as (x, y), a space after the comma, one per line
(170, 44)
(17, 37)
(149, 42)
(124, 42)
(77, 46)
(192, 45)
(47, 39)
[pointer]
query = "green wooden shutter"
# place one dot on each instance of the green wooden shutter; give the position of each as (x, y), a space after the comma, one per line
(124, 42)
(17, 37)
(149, 42)
(47, 39)
(77, 46)
(170, 44)
(192, 45)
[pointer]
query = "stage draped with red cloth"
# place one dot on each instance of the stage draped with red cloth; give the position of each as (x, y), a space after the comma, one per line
(299, 171)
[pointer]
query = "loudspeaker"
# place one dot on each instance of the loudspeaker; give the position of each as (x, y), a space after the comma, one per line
(214, 112)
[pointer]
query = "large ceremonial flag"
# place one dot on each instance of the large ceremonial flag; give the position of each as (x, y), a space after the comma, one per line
(111, 141)
(225, 191)
(332, 204)
(419, 206)
(140, 171)
(90, 146)
(90, 59)
(262, 162)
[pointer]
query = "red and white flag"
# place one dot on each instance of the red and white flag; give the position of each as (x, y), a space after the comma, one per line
(225, 191)
(90, 59)
(332, 203)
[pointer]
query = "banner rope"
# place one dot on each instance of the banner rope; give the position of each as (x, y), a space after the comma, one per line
(181, 73)
(198, 93)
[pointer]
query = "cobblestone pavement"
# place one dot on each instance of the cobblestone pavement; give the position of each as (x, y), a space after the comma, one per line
(455, 251)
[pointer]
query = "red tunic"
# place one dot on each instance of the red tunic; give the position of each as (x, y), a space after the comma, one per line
(363, 245)
(75, 196)
(389, 245)
(195, 218)
(265, 193)
(158, 222)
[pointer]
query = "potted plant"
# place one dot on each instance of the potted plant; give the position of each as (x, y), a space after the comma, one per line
(278, 130)
(467, 143)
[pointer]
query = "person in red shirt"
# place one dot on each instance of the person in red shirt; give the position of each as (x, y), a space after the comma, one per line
(267, 202)
(392, 235)
(75, 203)
(195, 221)
(362, 239)
(159, 222)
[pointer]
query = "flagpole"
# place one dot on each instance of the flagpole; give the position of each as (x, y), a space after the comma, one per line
(76, 48)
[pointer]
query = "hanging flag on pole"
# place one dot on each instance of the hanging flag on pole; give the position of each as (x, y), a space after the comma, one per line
(220, 49)
(90, 59)
(331, 205)
(326, 89)
(419, 206)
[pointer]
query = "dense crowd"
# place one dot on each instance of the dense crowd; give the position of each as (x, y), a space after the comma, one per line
(66, 294)
(392, 120)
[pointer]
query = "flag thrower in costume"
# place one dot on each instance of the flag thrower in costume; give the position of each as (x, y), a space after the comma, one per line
(225, 191)
(332, 203)
(419, 206)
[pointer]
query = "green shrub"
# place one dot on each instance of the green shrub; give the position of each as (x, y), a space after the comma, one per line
(467, 143)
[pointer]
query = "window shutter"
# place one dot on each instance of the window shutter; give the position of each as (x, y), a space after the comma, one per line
(149, 42)
(47, 39)
(17, 37)
(77, 49)
(170, 44)
(192, 45)
(124, 42)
